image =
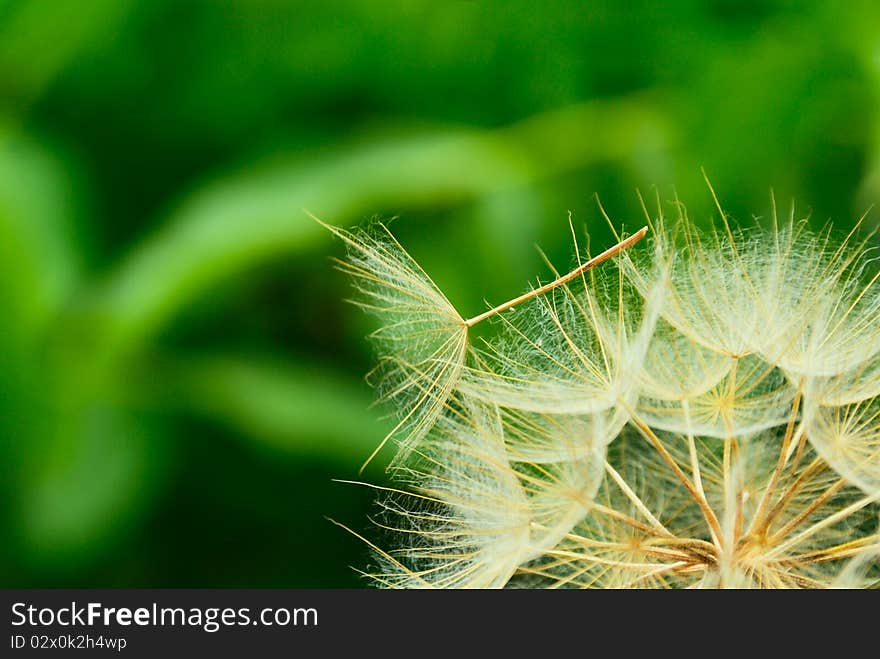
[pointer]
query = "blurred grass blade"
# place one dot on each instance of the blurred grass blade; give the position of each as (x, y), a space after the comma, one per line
(302, 409)
(86, 486)
(38, 263)
(247, 217)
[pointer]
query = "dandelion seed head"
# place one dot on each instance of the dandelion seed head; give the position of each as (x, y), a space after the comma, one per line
(702, 413)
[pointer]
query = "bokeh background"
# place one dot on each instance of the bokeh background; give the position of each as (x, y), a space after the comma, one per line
(180, 377)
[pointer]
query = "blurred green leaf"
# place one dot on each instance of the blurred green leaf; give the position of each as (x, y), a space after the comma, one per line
(251, 216)
(298, 408)
(85, 484)
(39, 266)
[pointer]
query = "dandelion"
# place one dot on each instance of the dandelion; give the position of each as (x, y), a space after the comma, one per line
(701, 413)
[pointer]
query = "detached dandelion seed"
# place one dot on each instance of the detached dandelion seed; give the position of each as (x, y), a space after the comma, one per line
(423, 340)
(701, 414)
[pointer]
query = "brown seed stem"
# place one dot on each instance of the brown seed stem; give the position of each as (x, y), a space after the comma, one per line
(759, 522)
(596, 260)
(708, 513)
(816, 466)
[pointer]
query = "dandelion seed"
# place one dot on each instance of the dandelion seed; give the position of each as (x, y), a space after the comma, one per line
(422, 341)
(474, 514)
(749, 396)
(848, 438)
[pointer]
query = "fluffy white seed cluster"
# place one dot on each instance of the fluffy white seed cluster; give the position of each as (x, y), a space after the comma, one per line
(703, 412)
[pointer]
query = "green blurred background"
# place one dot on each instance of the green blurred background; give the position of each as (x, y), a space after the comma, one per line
(180, 378)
